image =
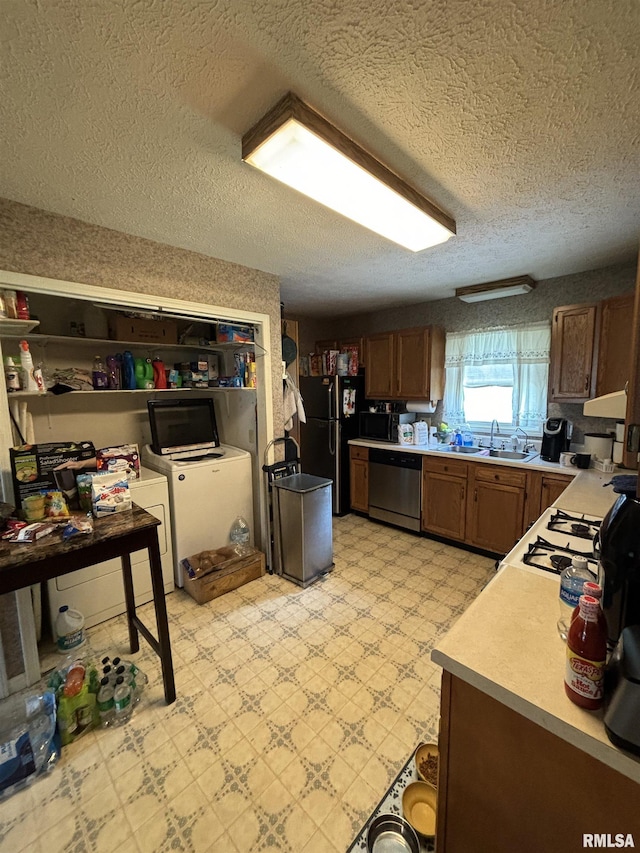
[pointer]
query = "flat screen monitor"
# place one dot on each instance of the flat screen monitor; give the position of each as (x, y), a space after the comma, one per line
(183, 427)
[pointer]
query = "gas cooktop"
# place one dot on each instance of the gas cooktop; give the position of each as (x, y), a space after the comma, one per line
(554, 539)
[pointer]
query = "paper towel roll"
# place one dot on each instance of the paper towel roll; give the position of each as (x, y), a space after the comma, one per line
(618, 449)
(422, 407)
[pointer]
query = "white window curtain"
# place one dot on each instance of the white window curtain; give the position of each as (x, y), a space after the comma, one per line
(517, 356)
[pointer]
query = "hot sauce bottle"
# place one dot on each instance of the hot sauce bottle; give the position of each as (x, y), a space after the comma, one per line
(586, 656)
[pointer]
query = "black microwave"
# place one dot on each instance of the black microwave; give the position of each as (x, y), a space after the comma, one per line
(383, 426)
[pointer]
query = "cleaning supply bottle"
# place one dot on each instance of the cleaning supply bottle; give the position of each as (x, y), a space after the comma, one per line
(159, 373)
(128, 371)
(99, 375)
(144, 373)
(69, 630)
(29, 382)
(11, 374)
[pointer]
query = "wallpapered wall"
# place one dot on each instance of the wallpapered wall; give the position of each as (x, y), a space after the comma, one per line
(457, 316)
(40, 243)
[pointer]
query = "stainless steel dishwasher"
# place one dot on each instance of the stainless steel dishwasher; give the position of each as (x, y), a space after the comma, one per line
(394, 487)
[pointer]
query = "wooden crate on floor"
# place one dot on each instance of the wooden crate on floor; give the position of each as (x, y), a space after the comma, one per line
(233, 573)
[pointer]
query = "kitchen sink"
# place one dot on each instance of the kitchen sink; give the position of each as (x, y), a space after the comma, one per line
(461, 448)
(510, 454)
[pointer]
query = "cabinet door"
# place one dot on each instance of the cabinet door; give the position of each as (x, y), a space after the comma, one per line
(495, 516)
(360, 485)
(571, 372)
(380, 366)
(615, 343)
(444, 504)
(413, 363)
(553, 485)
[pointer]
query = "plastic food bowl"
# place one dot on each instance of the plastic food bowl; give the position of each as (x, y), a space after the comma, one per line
(390, 833)
(419, 806)
(423, 753)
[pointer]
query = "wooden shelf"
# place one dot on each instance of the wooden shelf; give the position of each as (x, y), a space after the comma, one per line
(15, 394)
(17, 328)
(13, 332)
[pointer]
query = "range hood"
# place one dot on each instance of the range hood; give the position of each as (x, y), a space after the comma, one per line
(612, 405)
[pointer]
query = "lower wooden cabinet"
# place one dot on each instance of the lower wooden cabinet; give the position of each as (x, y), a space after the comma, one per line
(359, 478)
(495, 507)
(444, 491)
(505, 782)
(552, 486)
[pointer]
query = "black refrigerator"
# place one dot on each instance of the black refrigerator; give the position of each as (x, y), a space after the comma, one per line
(331, 405)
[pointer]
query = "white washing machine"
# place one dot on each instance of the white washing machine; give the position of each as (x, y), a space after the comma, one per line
(206, 496)
(97, 591)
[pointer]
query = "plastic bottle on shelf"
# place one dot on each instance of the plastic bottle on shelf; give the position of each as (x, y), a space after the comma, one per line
(99, 374)
(586, 656)
(572, 581)
(105, 702)
(457, 440)
(11, 374)
(122, 701)
(128, 371)
(113, 373)
(144, 373)
(159, 373)
(29, 382)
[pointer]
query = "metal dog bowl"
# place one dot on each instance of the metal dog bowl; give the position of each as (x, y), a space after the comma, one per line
(390, 833)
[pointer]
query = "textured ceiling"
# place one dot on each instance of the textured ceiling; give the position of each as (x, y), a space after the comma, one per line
(520, 119)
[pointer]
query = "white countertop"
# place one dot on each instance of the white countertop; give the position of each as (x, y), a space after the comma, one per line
(534, 462)
(507, 645)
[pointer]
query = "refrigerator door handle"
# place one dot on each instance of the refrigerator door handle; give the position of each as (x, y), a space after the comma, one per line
(330, 391)
(334, 426)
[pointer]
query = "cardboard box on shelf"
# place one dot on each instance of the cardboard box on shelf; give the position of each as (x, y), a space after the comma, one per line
(142, 329)
(228, 575)
(233, 333)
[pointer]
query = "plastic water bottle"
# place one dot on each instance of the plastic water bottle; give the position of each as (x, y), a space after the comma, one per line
(105, 702)
(122, 701)
(572, 581)
(240, 535)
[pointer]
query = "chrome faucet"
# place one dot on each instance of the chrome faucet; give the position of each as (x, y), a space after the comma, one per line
(494, 421)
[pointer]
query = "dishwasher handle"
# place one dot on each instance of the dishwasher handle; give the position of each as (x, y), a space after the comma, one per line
(396, 458)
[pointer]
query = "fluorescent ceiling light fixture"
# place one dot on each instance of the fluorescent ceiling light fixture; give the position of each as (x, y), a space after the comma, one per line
(299, 147)
(496, 289)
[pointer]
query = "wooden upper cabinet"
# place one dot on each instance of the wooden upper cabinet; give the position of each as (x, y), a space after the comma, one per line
(614, 351)
(405, 365)
(573, 353)
(417, 372)
(379, 366)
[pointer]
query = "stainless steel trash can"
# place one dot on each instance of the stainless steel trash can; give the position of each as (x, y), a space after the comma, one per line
(303, 532)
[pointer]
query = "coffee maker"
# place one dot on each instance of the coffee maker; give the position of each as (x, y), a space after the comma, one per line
(556, 436)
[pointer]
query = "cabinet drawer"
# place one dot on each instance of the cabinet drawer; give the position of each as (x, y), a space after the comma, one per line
(358, 452)
(452, 467)
(500, 474)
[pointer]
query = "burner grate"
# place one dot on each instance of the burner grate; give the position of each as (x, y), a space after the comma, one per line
(579, 526)
(541, 550)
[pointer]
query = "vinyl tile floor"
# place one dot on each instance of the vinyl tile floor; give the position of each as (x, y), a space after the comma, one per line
(295, 711)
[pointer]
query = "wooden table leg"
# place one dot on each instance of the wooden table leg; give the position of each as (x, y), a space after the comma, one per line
(162, 622)
(134, 640)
